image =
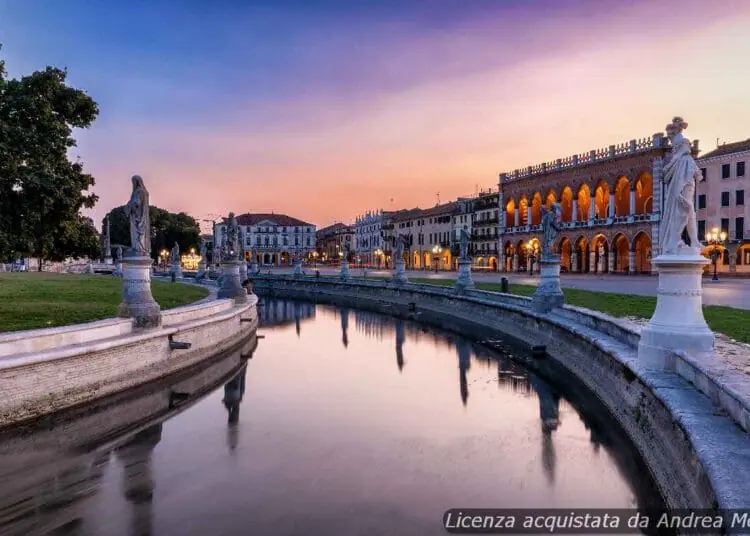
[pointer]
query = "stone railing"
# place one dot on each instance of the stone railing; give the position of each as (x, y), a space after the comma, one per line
(682, 422)
(597, 155)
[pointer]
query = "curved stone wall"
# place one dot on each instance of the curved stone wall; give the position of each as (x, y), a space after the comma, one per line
(697, 455)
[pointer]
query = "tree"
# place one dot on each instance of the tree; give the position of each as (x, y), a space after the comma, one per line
(166, 229)
(41, 190)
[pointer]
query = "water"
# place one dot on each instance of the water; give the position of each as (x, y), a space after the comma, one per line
(343, 422)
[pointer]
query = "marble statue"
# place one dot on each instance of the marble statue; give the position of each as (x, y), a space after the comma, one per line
(203, 251)
(680, 176)
(174, 255)
(400, 247)
(107, 244)
(140, 223)
(465, 237)
(550, 228)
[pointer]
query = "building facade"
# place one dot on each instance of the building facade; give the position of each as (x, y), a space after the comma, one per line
(611, 204)
(720, 204)
(368, 243)
(273, 238)
(333, 241)
(485, 230)
(427, 235)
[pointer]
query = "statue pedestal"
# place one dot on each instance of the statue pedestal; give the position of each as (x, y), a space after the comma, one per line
(548, 293)
(201, 270)
(243, 271)
(297, 267)
(176, 270)
(254, 267)
(678, 322)
(344, 271)
(137, 301)
(464, 280)
(400, 275)
(118, 269)
(108, 260)
(231, 286)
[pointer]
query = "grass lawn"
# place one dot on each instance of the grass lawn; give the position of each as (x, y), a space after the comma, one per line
(38, 300)
(734, 323)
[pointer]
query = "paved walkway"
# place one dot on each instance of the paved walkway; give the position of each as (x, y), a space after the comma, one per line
(730, 292)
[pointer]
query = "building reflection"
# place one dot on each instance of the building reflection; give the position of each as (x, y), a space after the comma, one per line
(138, 481)
(273, 312)
(463, 349)
(344, 312)
(400, 338)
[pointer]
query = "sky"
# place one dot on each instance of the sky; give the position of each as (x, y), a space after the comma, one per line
(324, 109)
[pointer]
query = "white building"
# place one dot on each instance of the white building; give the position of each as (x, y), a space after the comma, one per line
(273, 237)
(368, 243)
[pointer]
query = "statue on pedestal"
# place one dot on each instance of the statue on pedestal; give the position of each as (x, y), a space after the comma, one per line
(140, 224)
(464, 238)
(400, 247)
(107, 246)
(203, 252)
(174, 255)
(680, 175)
(232, 239)
(550, 229)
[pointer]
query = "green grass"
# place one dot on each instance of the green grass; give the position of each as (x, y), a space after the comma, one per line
(734, 323)
(39, 300)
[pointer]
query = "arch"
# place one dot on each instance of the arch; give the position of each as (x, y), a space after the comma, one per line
(536, 209)
(642, 251)
(446, 260)
(427, 260)
(622, 197)
(601, 200)
(582, 255)
(549, 199)
(508, 249)
(510, 213)
(621, 251)
(644, 193)
(584, 202)
(416, 259)
(600, 248)
(493, 264)
(565, 249)
(523, 208)
(566, 204)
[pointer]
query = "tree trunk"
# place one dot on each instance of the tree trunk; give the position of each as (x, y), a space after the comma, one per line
(40, 264)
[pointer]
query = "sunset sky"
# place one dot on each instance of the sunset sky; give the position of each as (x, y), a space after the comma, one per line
(322, 109)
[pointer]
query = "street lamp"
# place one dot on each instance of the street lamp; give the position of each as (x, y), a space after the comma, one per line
(436, 251)
(164, 254)
(715, 240)
(532, 250)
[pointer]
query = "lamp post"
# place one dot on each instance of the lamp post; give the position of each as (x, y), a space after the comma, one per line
(532, 250)
(715, 239)
(164, 254)
(436, 251)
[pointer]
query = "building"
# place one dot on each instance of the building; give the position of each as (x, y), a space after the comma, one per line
(428, 236)
(610, 199)
(368, 244)
(720, 203)
(485, 230)
(333, 241)
(274, 238)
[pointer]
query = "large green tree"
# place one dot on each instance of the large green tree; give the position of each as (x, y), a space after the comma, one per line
(166, 229)
(41, 190)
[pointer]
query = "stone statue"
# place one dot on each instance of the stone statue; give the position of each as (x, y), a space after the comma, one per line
(231, 247)
(400, 247)
(203, 251)
(174, 255)
(680, 175)
(107, 244)
(465, 237)
(118, 254)
(551, 228)
(140, 223)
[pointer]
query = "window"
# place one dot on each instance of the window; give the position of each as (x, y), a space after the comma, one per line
(725, 225)
(724, 199)
(740, 169)
(725, 171)
(701, 229)
(702, 201)
(739, 198)
(703, 174)
(739, 228)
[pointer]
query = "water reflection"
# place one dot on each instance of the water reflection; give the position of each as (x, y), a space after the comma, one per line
(332, 437)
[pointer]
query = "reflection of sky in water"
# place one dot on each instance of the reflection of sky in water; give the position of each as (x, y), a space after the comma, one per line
(351, 423)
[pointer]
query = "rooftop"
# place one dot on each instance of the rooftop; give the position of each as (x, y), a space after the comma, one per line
(728, 148)
(278, 219)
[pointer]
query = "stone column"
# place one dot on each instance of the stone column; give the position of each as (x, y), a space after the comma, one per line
(575, 210)
(231, 286)
(611, 207)
(516, 216)
(600, 268)
(631, 262)
(137, 301)
(592, 208)
(592, 260)
(548, 293)
(632, 202)
(400, 276)
(657, 182)
(514, 263)
(464, 281)
(611, 261)
(574, 261)
(678, 322)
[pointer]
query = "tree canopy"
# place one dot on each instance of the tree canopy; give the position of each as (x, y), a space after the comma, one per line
(166, 229)
(41, 190)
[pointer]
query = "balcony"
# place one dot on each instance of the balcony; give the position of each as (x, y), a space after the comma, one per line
(485, 222)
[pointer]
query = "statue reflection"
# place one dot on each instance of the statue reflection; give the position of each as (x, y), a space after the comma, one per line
(234, 390)
(138, 482)
(344, 326)
(297, 316)
(463, 348)
(549, 414)
(400, 338)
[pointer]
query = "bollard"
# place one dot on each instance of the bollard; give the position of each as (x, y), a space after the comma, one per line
(504, 285)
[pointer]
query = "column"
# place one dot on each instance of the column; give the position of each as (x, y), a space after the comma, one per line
(574, 261)
(611, 261)
(611, 205)
(515, 262)
(631, 262)
(575, 209)
(632, 202)
(516, 213)
(732, 258)
(600, 268)
(592, 208)
(592, 260)
(658, 175)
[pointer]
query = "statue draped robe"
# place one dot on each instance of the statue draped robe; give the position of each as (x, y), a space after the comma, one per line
(140, 234)
(679, 175)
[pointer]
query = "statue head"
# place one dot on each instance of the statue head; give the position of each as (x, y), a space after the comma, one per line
(231, 216)
(137, 182)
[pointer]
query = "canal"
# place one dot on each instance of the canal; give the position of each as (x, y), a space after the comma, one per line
(339, 422)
